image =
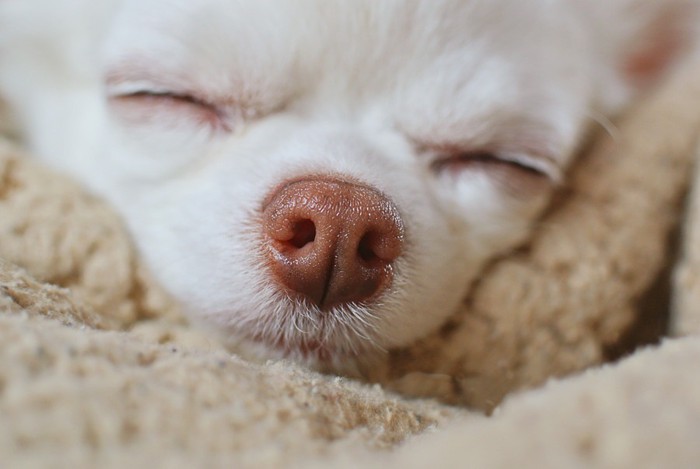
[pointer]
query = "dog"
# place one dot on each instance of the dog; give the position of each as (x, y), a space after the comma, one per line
(323, 180)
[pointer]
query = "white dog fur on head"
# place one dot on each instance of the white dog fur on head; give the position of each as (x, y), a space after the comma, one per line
(463, 114)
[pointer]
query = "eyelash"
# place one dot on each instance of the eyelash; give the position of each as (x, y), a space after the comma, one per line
(200, 110)
(481, 159)
(455, 163)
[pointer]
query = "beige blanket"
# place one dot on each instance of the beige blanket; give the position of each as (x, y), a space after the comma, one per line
(98, 369)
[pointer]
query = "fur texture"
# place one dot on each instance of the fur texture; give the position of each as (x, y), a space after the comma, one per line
(186, 114)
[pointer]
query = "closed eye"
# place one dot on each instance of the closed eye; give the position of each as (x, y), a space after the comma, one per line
(144, 106)
(520, 174)
(482, 159)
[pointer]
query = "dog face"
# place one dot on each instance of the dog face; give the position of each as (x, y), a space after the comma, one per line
(323, 179)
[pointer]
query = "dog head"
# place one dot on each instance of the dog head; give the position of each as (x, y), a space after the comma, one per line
(323, 179)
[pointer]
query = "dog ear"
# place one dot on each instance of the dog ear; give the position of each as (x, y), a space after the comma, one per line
(665, 34)
(641, 40)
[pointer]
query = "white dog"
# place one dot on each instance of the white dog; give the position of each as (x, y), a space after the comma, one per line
(322, 179)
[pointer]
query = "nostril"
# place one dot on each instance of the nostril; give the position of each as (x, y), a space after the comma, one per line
(365, 249)
(304, 232)
(377, 247)
(370, 249)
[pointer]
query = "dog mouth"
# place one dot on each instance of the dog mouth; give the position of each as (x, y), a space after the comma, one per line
(302, 332)
(305, 349)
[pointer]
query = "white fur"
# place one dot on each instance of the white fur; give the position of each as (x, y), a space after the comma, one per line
(373, 90)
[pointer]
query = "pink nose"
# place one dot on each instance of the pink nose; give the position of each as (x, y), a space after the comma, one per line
(332, 241)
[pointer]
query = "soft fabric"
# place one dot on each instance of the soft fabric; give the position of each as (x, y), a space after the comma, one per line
(686, 297)
(642, 413)
(99, 369)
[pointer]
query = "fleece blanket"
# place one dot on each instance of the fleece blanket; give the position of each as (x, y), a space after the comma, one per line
(98, 368)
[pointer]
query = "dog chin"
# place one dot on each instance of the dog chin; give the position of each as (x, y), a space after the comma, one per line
(325, 341)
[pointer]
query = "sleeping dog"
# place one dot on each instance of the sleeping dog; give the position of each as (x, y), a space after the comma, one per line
(323, 179)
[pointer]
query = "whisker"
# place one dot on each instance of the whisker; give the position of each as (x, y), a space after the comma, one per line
(605, 123)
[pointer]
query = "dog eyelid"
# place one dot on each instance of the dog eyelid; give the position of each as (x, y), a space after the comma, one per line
(521, 176)
(134, 89)
(541, 165)
(449, 157)
(116, 89)
(145, 94)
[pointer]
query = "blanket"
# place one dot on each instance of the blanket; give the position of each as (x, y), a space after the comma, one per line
(98, 367)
